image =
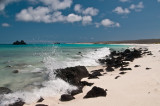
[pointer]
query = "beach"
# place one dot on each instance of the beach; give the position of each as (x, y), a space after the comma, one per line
(136, 84)
(138, 87)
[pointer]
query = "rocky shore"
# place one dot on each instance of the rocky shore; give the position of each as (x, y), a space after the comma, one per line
(91, 83)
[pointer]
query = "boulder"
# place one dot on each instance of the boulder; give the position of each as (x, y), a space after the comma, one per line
(99, 70)
(95, 92)
(77, 91)
(85, 83)
(15, 71)
(40, 100)
(91, 76)
(73, 75)
(66, 97)
(148, 68)
(4, 90)
(109, 69)
(137, 66)
(96, 74)
(41, 105)
(122, 73)
(124, 69)
(117, 77)
(102, 61)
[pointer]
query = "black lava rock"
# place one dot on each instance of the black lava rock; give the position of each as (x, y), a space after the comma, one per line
(73, 75)
(148, 68)
(40, 100)
(91, 76)
(122, 73)
(125, 69)
(77, 91)
(66, 97)
(100, 70)
(85, 83)
(96, 74)
(109, 69)
(117, 77)
(137, 66)
(41, 105)
(95, 92)
(4, 90)
(15, 71)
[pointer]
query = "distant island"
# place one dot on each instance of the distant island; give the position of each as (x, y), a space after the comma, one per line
(19, 42)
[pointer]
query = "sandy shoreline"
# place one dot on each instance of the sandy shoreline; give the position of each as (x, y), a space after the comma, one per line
(138, 87)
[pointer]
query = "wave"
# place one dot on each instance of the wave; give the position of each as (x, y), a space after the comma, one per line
(55, 86)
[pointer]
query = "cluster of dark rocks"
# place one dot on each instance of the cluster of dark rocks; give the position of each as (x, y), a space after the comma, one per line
(19, 42)
(121, 59)
(74, 75)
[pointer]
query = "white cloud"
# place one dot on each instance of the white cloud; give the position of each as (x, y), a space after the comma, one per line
(73, 18)
(39, 14)
(158, 0)
(57, 4)
(86, 20)
(120, 10)
(54, 4)
(78, 8)
(5, 25)
(107, 23)
(137, 7)
(88, 11)
(124, 0)
(4, 3)
(44, 14)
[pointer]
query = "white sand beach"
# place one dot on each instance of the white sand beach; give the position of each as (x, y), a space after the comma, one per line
(138, 87)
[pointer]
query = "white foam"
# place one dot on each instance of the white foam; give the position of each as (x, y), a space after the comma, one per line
(89, 59)
(51, 89)
(55, 86)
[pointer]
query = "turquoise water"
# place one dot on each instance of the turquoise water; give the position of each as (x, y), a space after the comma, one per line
(36, 63)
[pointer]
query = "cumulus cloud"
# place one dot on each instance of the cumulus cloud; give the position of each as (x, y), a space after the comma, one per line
(57, 4)
(73, 18)
(4, 3)
(88, 11)
(158, 1)
(44, 14)
(108, 23)
(54, 4)
(5, 25)
(120, 10)
(86, 20)
(78, 8)
(39, 14)
(137, 7)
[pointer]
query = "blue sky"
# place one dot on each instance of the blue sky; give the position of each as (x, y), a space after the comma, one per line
(78, 20)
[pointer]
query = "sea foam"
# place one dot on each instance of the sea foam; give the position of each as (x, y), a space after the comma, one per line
(55, 86)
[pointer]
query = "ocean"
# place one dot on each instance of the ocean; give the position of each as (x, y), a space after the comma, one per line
(36, 63)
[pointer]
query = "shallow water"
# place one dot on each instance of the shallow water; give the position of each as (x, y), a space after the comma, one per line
(36, 63)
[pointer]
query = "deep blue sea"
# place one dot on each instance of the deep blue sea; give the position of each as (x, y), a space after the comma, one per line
(36, 64)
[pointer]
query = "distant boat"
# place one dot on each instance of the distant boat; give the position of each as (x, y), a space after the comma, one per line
(19, 42)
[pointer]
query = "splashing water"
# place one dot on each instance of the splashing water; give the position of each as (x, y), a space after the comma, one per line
(37, 71)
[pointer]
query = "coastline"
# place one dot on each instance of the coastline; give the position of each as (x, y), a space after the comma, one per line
(138, 87)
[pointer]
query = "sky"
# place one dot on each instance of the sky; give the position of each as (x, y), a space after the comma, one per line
(46, 21)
